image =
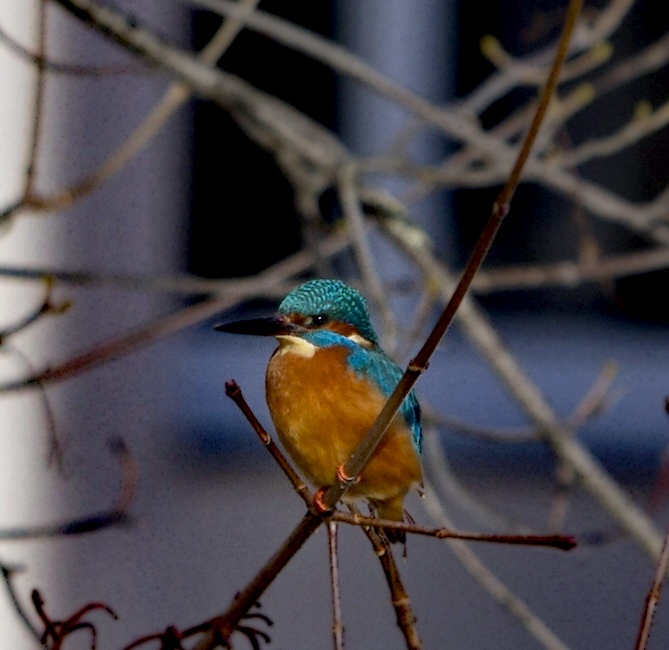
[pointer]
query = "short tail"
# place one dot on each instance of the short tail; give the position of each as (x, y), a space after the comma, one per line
(392, 509)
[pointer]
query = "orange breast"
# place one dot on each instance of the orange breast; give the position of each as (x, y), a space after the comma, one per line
(321, 411)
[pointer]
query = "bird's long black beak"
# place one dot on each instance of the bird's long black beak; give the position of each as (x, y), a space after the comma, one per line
(272, 326)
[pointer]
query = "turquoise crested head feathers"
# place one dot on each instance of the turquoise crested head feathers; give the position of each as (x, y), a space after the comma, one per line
(333, 300)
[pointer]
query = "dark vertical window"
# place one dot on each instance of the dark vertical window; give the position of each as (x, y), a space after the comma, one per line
(243, 217)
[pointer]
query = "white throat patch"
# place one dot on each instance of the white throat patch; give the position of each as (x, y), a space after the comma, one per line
(290, 344)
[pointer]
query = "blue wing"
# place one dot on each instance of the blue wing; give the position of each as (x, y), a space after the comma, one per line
(377, 365)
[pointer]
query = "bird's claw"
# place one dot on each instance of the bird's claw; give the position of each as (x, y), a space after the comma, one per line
(344, 478)
(319, 504)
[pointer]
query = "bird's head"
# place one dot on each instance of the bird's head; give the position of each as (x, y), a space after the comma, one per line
(316, 304)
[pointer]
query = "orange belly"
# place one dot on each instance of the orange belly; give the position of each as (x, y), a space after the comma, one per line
(321, 411)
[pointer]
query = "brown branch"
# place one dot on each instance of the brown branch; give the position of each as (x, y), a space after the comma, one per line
(418, 365)
(406, 619)
(653, 597)
(561, 542)
(7, 574)
(225, 625)
(513, 604)
(55, 632)
(337, 624)
(234, 392)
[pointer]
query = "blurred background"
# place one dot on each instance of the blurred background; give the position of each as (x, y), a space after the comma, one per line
(203, 200)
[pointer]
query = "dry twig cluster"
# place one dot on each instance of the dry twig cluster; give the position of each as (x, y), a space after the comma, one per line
(574, 75)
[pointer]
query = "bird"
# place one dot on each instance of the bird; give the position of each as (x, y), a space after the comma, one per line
(326, 383)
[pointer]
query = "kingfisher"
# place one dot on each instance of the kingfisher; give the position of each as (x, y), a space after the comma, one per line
(326, 383)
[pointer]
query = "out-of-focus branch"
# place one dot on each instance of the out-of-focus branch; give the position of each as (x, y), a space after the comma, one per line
(175, 96)
(587, 35)
(277, 126)
(97, 521)
(514, 605)
(167, 325)
(570, 274)
(653, 597)
(556, 434)
(7, 574)
(637, 129)
(38, 104)
(356, 222)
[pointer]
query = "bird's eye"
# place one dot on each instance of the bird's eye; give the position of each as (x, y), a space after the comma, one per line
(316, 321)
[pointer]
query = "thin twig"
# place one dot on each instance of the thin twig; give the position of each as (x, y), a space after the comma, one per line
(94, 522)
(592, 403)
(38, 104)
(501, 82)
(478, 328)
(337, 624)
(175, 96)
(653, 597)
(73, 69)
(406, 619)
(350, 202)
(55, 448)
(7, 573)
(570, 274)
(224, 626)
(233, 391)
(561, 542)
(152, 332)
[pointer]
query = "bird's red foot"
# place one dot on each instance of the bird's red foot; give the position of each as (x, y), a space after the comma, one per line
(344, 478)
(320, 506)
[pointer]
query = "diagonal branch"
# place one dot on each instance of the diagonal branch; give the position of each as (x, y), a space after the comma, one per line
(418, 365)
